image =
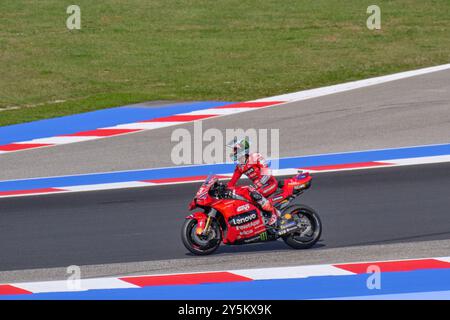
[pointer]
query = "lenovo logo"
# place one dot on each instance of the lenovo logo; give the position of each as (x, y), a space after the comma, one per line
(243, 218)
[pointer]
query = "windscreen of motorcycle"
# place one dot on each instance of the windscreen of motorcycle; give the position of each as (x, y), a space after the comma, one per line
(204, 188)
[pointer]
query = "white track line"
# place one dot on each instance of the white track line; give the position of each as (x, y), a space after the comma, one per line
(319, 92)
(59, 140)
(219, 111)
(71, 285)
(108, 186)
(144, 125)
(421, 160)
(292, 272)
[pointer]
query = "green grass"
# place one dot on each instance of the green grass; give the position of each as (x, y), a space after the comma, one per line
(235, 50)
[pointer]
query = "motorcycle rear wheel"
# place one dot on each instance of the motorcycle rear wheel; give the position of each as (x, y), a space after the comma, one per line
(200, 245)
(307, 217)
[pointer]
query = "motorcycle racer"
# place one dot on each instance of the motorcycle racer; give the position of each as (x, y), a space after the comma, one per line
(256, 169)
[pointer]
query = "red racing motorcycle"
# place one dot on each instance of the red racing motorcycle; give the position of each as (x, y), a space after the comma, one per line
(229, 216)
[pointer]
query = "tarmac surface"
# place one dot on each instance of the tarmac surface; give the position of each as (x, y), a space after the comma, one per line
(358, 208)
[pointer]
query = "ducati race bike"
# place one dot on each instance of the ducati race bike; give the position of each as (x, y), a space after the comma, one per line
(229, 216)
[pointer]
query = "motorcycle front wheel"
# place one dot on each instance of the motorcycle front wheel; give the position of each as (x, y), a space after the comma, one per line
(198, 244)
(310, 227)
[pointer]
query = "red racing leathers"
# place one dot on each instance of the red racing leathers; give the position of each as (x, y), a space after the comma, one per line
(257, 170)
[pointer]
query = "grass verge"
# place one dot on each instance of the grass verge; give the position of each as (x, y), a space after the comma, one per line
(232, 50)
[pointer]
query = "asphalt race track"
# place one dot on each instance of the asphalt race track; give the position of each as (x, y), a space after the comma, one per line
(362, 207)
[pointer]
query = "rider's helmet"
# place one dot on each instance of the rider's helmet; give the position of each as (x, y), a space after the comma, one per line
(241, 149)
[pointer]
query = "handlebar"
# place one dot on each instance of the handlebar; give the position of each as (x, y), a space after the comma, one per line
(219, 190)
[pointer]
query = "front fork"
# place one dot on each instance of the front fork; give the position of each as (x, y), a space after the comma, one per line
(204, 227)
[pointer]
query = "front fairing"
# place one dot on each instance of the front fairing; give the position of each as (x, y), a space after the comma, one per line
(202, 197)
(205, 202)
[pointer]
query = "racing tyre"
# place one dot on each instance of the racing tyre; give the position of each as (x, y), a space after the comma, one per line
(200, 245)
(310, 224)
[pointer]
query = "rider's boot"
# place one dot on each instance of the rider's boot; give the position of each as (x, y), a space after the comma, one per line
(268, 210)
(273, 212)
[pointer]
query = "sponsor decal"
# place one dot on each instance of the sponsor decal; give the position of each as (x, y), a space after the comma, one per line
(249, 171)
(271, 188)
(248, 225)
(245, 207)
(264, 179)
(245, 232)
(243, 218)
(287, 230)
(201, 191)
(263, 236)
(202, 196)
(297, 185)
